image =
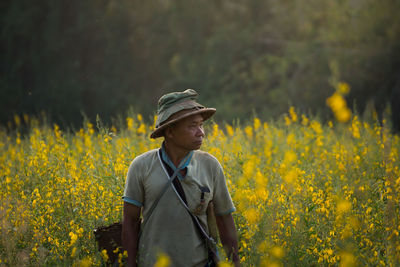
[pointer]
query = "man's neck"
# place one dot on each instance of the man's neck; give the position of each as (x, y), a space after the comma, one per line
(175, 153)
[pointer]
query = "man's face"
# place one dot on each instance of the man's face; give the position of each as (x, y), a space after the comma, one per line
(188, 133)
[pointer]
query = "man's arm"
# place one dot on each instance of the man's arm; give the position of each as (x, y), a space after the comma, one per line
(130, 231)
(227, 233)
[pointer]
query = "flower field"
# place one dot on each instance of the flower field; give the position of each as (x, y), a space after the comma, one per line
(306, 193)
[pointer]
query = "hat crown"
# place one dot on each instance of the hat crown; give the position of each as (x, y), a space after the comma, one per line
(168, 100)
(175, 106)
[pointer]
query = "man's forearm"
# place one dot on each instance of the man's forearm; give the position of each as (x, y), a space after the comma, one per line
(130, 233)
(130, 241)
(227, 230)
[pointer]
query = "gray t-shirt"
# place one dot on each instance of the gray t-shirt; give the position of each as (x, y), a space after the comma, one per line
(170, 228)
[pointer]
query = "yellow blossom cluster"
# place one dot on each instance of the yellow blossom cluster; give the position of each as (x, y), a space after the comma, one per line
(338, 104)
(306, 194)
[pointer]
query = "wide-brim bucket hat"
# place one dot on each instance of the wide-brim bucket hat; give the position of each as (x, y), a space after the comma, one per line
(176, 106)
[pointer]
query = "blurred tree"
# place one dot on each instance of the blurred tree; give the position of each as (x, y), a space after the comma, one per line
(262, 56)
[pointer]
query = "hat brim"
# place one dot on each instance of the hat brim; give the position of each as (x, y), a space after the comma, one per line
(205, 112)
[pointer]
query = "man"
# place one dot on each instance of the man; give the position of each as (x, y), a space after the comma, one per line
(170, 209)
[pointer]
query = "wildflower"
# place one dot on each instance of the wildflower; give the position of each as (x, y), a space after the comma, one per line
(262, 247)
(104, 255)
(293, 114)
(74, 237)
(257, 124)
(260, 180)
(289, 157)
(141, 129)
(215, 131)
(251, 215)
(343, 88)
(129, 123)
(338, 104)
(162, 260)
(249, 132)
(290, 177)
(229, 130)
(86, 262)
(17, 120)
(304, 120)
(225, 264)
(287, 120)
(277, 252)
(343, 206)
(343, 115)
(73, 252)
(347, 259)
(248, 168)
(267, 263)
(355, 130)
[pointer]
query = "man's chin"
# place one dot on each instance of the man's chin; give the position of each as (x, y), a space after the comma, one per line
(197, 146)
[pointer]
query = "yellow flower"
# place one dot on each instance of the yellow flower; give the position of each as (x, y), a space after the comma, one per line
(336, 102)
(347, 259)
(17, 120)
(86, 262)
(343, 115)
(343, 206)
(257, 124)
(289, 157)
(225, 264)
(74, 237)
(249, 132)
(293, 114)
(343, 88)
(355, 127)
(339, 107)
(260, 180)
(304, 120)
(104, 255)
(277, 252)
(141, 129)
(229, 130)
(287, 120)
(73, 252)
(129, 123)
(262, 247)
(291, 176)
(162, 260)
(252, 215)
(267, 263)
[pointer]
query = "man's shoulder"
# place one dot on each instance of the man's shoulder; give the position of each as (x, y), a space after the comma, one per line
(145, 158)
(206, 157)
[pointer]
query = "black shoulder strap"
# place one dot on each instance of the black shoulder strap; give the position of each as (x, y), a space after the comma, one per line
(178, 186)
(176, 183)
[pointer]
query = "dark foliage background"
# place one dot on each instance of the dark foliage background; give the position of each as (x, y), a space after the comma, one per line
(104, 56)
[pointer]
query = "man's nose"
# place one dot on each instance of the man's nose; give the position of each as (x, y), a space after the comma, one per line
(200, 131)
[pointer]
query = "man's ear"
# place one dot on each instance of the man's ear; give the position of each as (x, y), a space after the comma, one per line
(168, 132)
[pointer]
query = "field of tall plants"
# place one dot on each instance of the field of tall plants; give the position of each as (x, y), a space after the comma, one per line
(306, 193)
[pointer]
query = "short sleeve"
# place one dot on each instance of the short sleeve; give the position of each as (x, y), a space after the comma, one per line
(133, 192)
(222, 199)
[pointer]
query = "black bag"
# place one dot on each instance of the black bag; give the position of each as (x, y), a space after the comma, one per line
(109, 238)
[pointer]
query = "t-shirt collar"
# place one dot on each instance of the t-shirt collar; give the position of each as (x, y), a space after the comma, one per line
(182, 165)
